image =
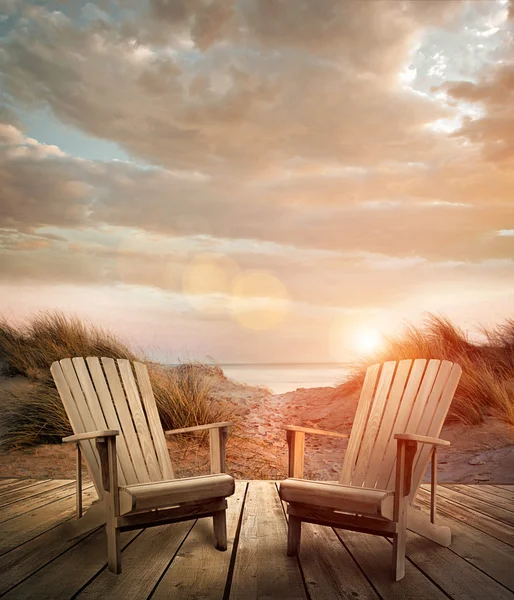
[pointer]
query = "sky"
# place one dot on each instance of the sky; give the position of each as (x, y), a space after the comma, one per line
(257, 180)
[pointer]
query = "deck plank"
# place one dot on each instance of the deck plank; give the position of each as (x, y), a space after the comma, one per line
(7, 481)
(28, 492)
(62, 578)
(21, 529)
(23, 561)
(374, 555)
(199, 571)
(262, 568)
(329, 570)
(143, 563)
(18, 485)
(499, 491)
(493, 527)
(479, 505)
(44, 495)
(481, 493)
(459, 578)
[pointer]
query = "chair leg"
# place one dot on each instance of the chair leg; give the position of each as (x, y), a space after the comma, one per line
(399, 542)
(113, 548)
(219, 521)
(294, 533)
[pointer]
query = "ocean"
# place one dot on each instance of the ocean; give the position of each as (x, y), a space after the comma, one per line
(281, 378)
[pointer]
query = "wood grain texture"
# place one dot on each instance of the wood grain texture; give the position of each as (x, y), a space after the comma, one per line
(373, 554)
(139, 419)
(154, 421)
(359, 423)
(199, 571)
(262, 569)
(125, 419)
(125, 465)
(76, 417)
(24, 493)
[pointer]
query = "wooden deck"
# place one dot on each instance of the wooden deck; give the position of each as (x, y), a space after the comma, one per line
(179, 560)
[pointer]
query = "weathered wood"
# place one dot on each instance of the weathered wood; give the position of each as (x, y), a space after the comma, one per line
(422, 439)
(144, 562)
(78, 482)
(373, 555)
(23, 494)
(199, 571)
(479, 505)
(217, 454)
(371, 430)
(172, 515)
(294, 535)
(386, 424)
(79, 415)
(400, 512)
(19, 484)
(359, 423)
(139, 418)
(21, 562)
(337, 519)
(176, 491)
(67, 574)
(29, 525)
(125, 419)
(154, 421)
(419, 522)
(90, 435)
(432, 424)
(414, 394)
(199, 428)
(485, 523)
(433, 486)
(329, 570)
(478, 548)
(90, 520)
(219, 522)
(327, 494)
(4, 481)
(499, 491)
(60, 489)
(456, 576)
(313, 431)
(262, 569)
(296, 445)
(481, 493)
(125, 465)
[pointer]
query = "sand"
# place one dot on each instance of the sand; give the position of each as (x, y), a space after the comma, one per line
(257, 447)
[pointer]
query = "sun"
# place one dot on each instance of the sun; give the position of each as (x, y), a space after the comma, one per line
(367, 341)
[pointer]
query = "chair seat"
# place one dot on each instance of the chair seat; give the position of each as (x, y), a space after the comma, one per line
(161, 494)
(343, 498)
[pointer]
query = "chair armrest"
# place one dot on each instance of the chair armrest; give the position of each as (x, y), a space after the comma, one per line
(422, 439)
(91, 435)
(199, 428)
(315, 431)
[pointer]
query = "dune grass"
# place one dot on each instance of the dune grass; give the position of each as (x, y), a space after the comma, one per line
(32, 412)
(487, 384)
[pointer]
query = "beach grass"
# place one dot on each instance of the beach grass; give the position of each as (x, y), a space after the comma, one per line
(32, 412)
(486, 387)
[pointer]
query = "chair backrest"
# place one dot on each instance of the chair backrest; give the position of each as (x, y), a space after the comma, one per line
(100, 394)
(397, 397)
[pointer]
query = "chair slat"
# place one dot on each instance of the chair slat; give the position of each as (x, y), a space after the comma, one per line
(426, 402)
(373, 424)
(402, 417)
(125, 418)
(138, 416)
(154, 421)
(434, 429)
(76, 421)
(92, 400)
(359, 423)
(388, 419)
(125, 465)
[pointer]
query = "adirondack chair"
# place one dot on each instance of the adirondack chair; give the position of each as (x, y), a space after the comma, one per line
(400, 414)
(125, 451)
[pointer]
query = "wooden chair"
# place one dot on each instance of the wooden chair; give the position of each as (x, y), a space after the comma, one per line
(117, 428)
(400, 414)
